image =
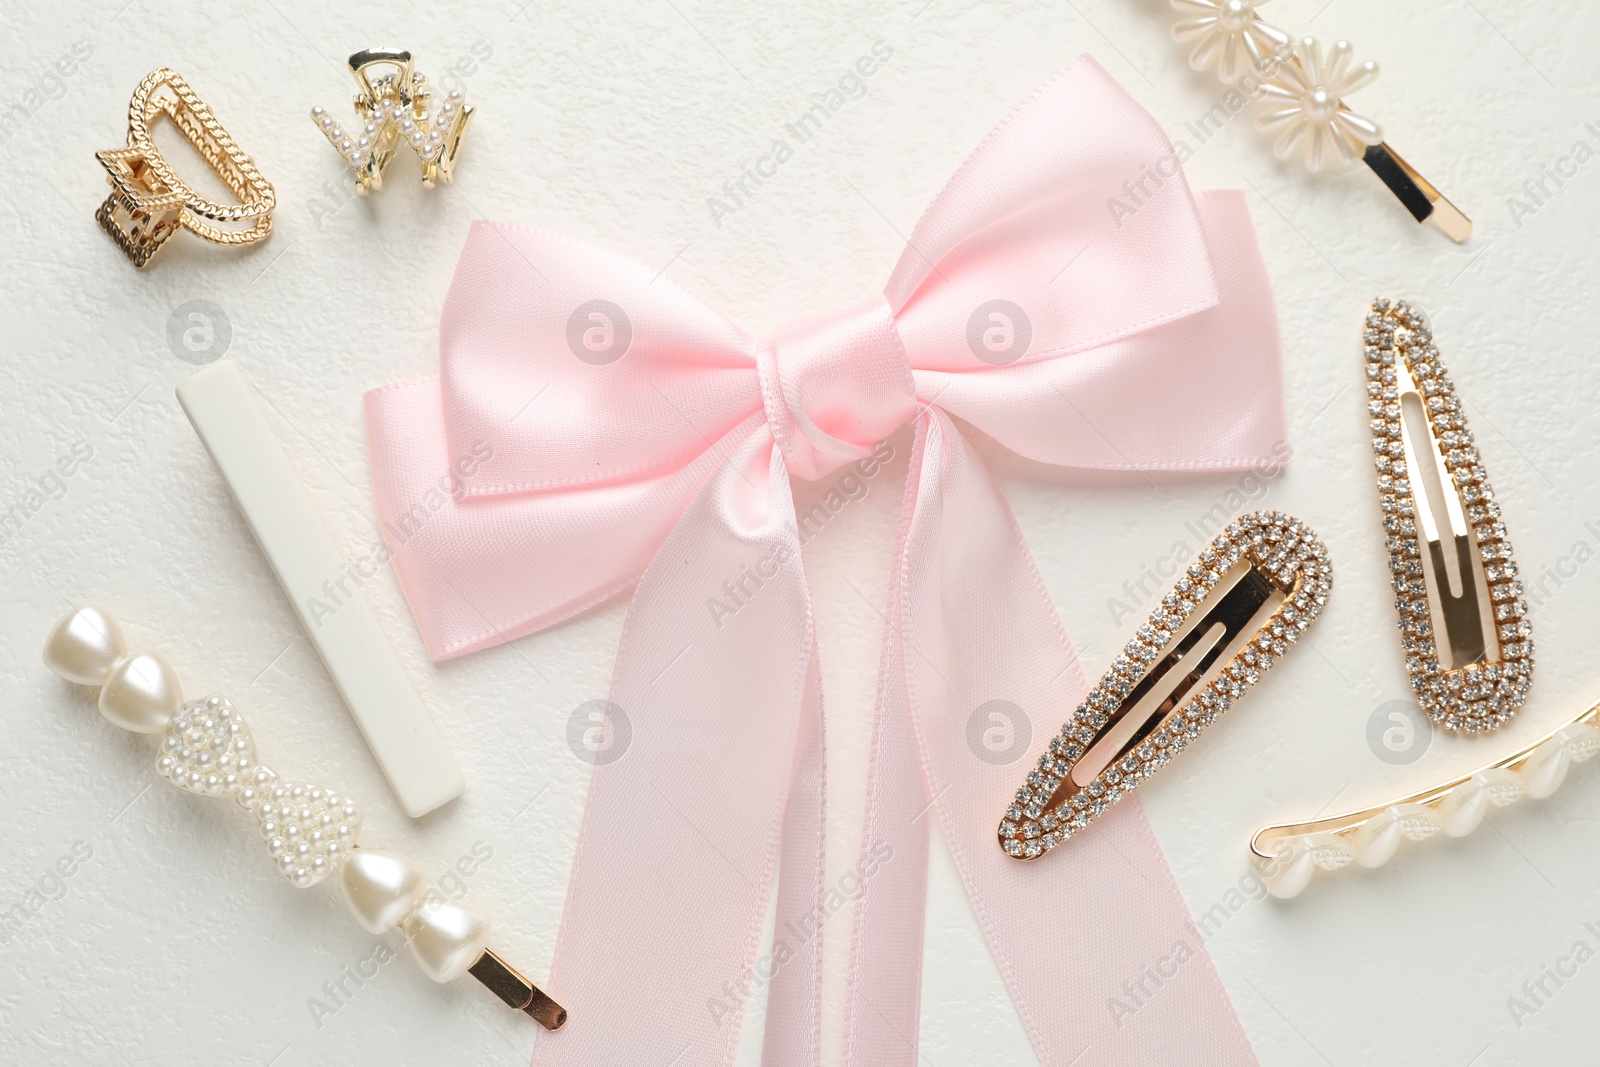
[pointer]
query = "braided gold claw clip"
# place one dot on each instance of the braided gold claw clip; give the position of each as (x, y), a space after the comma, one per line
(149, 202)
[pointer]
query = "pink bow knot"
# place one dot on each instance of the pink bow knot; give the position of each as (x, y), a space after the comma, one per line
(834, 385)
(594, 427)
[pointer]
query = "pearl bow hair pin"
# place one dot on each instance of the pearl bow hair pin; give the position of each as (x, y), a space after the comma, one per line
(309, 831)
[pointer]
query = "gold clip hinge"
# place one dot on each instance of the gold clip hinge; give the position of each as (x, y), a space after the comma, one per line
(517, 992)
(1419, 196)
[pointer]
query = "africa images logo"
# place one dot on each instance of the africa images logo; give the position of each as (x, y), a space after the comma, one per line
(599, 332)
(999, 332)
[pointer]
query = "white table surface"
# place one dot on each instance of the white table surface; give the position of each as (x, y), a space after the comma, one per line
(175, 942)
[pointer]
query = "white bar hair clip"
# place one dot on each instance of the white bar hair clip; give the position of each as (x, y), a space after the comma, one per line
(397, 727)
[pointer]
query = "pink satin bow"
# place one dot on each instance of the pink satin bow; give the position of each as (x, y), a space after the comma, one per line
(595, 427)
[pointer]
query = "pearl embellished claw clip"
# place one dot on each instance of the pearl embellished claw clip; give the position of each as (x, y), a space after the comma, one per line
(1463, 620)
(1261, 583)
(309, 831)
(1289, 854)
(1303, 89)
(393, 109)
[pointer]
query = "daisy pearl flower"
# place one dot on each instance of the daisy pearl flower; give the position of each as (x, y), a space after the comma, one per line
(1307, 109)
(1229, 35)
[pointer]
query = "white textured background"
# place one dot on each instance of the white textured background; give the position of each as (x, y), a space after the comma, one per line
(176, 942)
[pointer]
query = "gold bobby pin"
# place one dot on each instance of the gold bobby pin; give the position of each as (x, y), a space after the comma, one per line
(1304, 90)
(149, 202)
(1290, 853)
(391, 110)
(1266, 577)
(1463, 620)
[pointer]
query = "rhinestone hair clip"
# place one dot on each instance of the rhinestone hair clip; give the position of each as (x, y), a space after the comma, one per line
(1304, 90)
(1463, 619)
(309, 831)
(1236, 611)
(1289, 854)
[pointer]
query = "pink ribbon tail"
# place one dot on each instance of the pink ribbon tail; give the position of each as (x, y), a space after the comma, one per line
(973, 643)
(722, 773)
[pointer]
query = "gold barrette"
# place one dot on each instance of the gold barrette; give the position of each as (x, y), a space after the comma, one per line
(1463, 619)
(391, 110)
(310, 832)
(1290, 853)
(1304, 91)
(149, 202)
(1266, 578)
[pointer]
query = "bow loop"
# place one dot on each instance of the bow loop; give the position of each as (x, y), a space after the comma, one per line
(1073, 218)
(834, 385)
(1140, 402)
(546, 344)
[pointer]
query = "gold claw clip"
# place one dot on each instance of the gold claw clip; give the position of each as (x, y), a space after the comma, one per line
(150, 202)
(393, 108)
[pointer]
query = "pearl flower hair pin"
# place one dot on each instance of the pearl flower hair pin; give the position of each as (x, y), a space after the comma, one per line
(1303, 88)
(309, 831)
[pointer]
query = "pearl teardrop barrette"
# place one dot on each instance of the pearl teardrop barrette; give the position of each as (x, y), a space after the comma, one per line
(309, 831)
(1303, 89)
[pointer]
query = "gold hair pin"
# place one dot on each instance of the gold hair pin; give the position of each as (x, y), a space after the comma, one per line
(149, 202)
(392, 109)
(310, 832)
(1290, 853)
(1265, 578)
(1463, 619)
(1304, 90)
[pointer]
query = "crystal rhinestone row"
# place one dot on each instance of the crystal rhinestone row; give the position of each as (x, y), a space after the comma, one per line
(1481, 696)
(1292, 558)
